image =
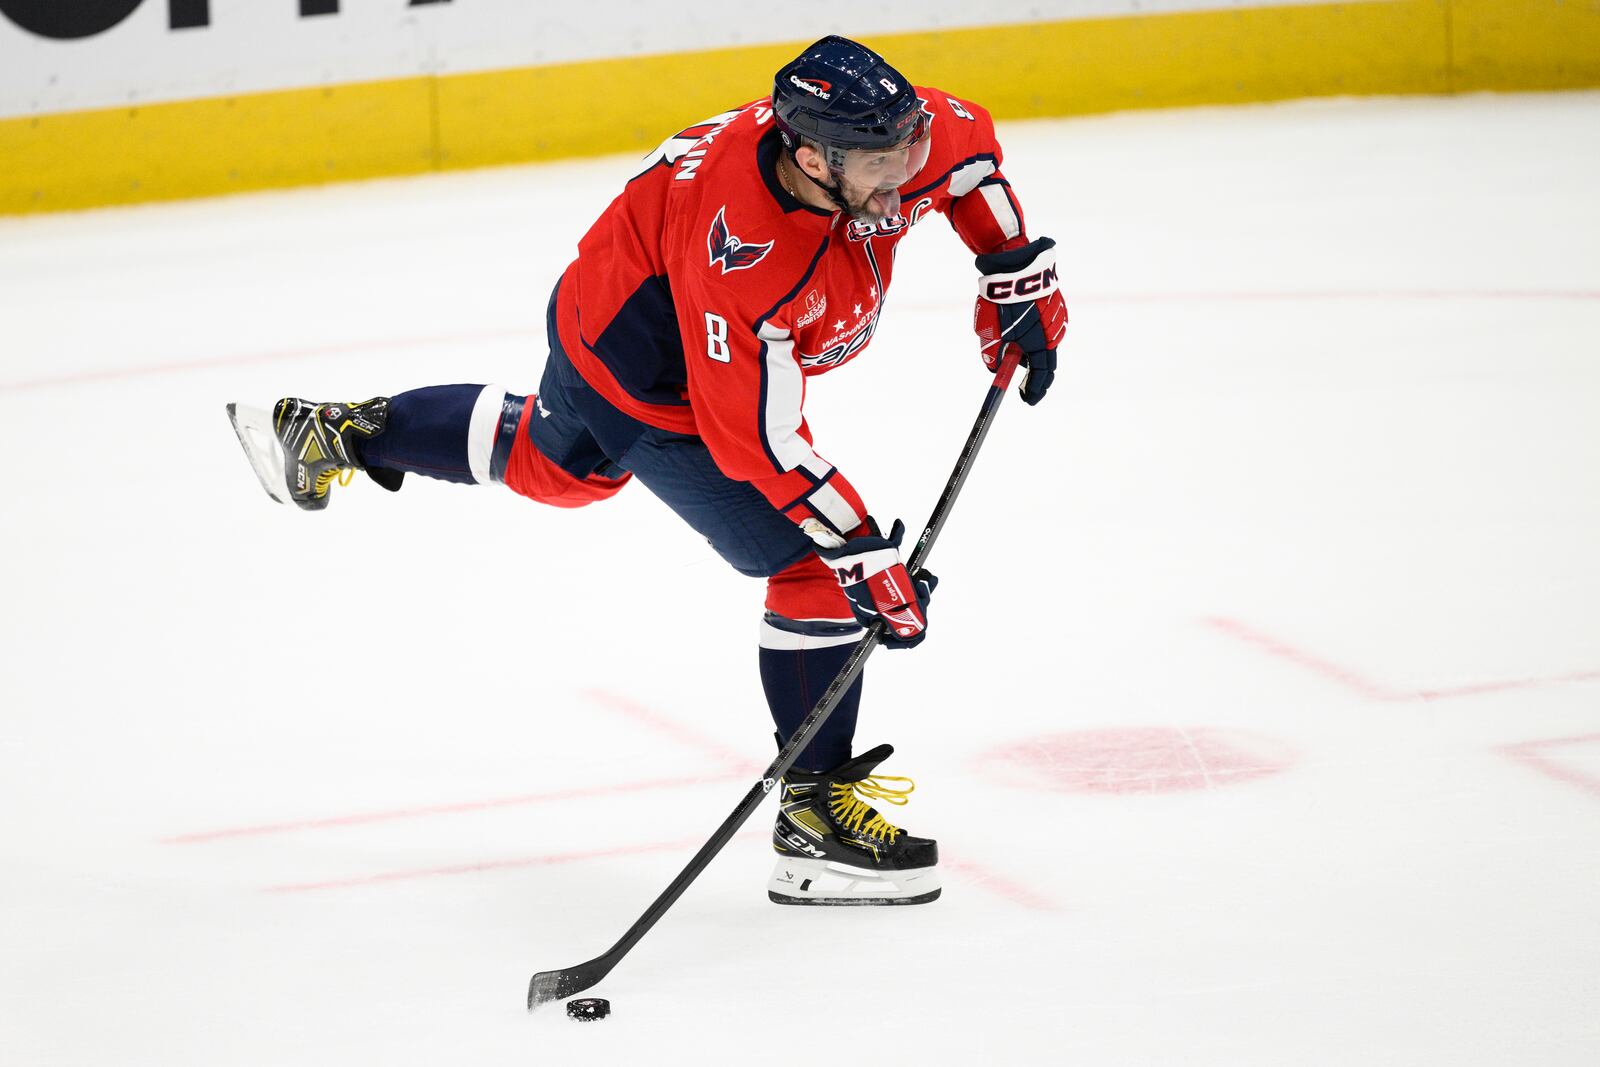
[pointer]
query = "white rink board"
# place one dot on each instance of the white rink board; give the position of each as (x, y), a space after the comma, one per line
(1257, 721)
(254, 46)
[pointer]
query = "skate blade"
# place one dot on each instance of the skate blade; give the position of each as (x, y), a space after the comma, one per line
(817, 883)
(261, 448)
(852, 902)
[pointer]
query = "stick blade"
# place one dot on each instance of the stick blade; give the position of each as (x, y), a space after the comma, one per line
(547, 986)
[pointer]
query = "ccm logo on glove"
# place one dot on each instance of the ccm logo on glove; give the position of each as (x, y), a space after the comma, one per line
(877, 586)
(1009, 290)
(1019, 307)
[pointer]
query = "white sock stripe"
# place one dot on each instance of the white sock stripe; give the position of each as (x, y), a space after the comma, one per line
(481, 434)
(788, 641)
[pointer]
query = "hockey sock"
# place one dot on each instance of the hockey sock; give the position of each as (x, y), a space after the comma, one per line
(443, 431)
(795, 678)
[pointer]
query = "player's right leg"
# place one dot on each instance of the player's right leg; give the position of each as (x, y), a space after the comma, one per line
(301, 448)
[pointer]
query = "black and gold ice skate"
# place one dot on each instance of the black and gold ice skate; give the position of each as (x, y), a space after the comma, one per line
(302, 448)
(834, 848)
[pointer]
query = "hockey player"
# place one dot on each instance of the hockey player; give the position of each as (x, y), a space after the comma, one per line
(753, 251)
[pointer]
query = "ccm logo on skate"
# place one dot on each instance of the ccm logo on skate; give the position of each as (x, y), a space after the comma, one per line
(1030, 285)
(795, 841)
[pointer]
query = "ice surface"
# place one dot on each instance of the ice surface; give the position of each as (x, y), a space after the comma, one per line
(1258, 722)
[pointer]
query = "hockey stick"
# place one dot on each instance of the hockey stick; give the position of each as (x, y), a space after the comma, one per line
(558, 985)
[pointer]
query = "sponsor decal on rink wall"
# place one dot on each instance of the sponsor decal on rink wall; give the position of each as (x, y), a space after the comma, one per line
(117, 101)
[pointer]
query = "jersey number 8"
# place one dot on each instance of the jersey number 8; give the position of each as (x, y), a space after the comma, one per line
(717, 338)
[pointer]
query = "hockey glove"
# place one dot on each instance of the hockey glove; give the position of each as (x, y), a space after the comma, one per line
(875, 581)
(1019, 303)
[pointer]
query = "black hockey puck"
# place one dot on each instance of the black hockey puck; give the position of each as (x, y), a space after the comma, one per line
(589, 1008)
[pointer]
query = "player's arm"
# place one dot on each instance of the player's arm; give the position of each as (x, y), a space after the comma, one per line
(1019, 299)
(747, 389)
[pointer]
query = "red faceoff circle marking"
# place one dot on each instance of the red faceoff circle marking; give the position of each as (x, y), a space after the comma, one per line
(1138, 759)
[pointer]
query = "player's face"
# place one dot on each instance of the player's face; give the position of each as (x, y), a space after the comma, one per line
(870, 179)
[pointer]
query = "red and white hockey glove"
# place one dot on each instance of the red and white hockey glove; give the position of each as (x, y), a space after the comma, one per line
(1019, 304)
(875, 581)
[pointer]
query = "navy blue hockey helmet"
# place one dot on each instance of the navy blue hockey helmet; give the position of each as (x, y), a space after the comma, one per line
(843, 96)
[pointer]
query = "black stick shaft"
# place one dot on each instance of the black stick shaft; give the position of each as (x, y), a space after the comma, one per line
(557, 985)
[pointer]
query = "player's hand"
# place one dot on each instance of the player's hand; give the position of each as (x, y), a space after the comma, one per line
(874, 579)
(1020, 305)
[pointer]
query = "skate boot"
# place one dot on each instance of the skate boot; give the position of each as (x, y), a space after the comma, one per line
(833, 848)
(302, 448)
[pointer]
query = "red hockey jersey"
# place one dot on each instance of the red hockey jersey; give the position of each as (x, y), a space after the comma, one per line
(706, 294)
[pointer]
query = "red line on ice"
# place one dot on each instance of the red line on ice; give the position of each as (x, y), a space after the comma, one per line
(583, 793)
(1290, 296)
(496, 865)
(1495, 687)
(1300, 658)
(385, 344)
(670, 727)
(1374, 690)
(976, 874)
(984, 878)
(736, 764)
(1525, 753)
(221, 362)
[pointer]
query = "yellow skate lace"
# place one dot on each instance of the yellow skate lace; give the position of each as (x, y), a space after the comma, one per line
(325, 480)
(850, 807)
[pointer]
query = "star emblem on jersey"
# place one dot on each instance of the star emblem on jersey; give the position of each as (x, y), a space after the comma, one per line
(727, 251)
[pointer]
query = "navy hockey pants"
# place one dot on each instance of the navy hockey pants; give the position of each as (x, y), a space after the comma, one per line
(596, 446)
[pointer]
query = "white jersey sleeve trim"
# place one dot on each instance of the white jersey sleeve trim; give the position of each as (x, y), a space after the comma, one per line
(835, 508)
(965, 179)
(481, 432)
(1005, 216)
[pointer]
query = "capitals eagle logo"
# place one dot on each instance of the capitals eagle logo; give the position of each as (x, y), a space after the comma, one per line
(727, 251)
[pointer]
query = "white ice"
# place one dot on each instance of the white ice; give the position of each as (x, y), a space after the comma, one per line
(1259, 722)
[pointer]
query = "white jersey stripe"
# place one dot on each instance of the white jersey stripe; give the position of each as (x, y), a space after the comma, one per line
(835, 508)
(785, 391)
(817, 468)
(481, 432)
(1000, 207)
(965, 179)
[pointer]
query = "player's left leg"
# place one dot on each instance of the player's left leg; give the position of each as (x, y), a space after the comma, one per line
(833, 847)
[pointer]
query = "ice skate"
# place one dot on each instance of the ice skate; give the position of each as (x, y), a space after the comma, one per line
(301, 448)
(834, 848)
